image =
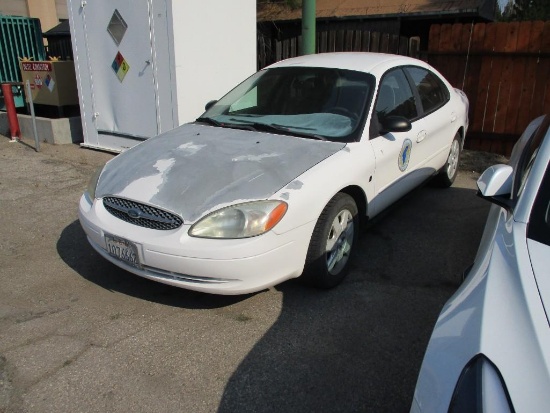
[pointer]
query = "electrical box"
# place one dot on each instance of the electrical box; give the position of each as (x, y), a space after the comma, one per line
(145, 67)
(51, 83)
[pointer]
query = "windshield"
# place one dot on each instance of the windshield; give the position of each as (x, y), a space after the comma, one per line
(304, 101)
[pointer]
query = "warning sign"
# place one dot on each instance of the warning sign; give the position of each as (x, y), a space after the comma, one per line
(36, 66)
(49, 82)
(38, 81)
(52, 83)
(120, 66)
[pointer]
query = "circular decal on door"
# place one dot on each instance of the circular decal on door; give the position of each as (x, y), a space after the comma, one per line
(405, 155)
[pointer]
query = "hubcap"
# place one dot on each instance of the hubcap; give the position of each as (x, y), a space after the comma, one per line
(339, 241)
(453, 159)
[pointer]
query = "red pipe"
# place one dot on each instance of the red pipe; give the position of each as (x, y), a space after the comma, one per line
(12, 114)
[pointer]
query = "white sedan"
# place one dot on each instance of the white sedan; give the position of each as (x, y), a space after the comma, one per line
(490, 349)
(273, 180)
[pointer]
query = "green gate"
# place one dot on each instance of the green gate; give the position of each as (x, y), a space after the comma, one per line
(20, 37)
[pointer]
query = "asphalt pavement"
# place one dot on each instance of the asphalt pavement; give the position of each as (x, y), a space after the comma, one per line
(78, 334)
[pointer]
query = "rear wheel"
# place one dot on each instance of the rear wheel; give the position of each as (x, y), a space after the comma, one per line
(448, 174)
(332, 243)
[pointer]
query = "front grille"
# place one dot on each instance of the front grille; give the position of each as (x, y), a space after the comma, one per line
(140, 214)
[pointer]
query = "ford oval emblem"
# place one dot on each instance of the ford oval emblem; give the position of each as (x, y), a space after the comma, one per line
(134, 213)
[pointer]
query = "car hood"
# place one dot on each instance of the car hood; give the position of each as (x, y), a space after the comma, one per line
(195, 169)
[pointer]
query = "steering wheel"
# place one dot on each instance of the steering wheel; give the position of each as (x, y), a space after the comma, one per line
(340, 110)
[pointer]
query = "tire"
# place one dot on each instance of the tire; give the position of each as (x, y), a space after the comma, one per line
(332, 243)
(448, 173)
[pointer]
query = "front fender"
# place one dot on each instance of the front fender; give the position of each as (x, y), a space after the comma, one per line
(310, 192)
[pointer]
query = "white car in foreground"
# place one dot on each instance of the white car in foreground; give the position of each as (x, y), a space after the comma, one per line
(273, 179)
(490, 349)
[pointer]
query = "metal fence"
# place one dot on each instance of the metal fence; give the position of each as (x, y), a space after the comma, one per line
(19, 37)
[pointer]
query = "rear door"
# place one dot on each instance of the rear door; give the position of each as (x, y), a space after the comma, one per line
(440, 119)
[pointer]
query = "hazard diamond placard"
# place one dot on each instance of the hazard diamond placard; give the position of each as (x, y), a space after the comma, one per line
(120, 66)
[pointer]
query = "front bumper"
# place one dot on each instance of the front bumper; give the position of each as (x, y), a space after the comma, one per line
(236, 266)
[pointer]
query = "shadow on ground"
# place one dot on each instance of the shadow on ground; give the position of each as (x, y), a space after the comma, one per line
(74, 249)
(359, 347)
(356, 348)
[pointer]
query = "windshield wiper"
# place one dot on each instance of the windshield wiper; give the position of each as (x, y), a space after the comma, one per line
(209, 121)
(214, 122)
(273, 127)
(258, 126)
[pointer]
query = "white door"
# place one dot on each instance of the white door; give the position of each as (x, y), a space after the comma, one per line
(439, 120)
(397, 158)
(120, 50)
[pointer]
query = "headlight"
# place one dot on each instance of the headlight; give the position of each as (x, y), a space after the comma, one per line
(480, 389)
(92, 184)
(240, 221)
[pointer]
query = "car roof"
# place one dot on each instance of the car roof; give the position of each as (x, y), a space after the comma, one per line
(359, 61)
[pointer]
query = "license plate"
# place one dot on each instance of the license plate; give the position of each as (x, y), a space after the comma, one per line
(122, 249)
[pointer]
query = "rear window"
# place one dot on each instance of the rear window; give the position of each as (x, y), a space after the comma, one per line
(433, 92)
(539, 221)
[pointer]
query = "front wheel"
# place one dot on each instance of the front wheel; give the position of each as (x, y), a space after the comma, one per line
(332, 243)
(448, 174)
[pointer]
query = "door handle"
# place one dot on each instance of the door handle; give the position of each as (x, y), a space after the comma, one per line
(453, 117)
(421, 136)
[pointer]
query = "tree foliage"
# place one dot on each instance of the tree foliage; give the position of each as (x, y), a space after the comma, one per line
(516, 10)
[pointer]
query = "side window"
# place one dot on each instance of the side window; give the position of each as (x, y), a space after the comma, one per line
(433, 92)
(395, 97)
(539, 220)
(528, 157)
(261, 97)
(249, 100)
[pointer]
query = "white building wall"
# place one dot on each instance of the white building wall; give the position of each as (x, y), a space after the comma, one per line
(214, 49)
(197, 50)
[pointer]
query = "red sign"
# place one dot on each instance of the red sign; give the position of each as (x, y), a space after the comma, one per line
(38, 81)
(36, 66)
(119, 59)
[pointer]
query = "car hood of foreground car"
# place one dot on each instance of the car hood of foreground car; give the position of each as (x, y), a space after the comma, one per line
(195, 169)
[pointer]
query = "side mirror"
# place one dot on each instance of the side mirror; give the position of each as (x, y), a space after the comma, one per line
(394, 124)
(210, 104)
(495, 185)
